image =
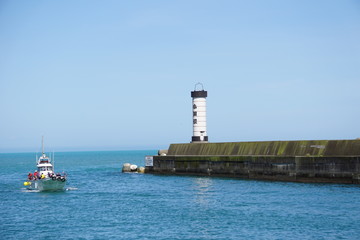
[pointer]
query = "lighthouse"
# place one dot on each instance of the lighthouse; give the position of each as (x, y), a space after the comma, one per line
(199, 114)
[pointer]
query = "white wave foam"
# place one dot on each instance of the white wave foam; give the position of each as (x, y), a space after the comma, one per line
(29, 190)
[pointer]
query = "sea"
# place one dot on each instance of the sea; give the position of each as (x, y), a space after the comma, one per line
(101, 202)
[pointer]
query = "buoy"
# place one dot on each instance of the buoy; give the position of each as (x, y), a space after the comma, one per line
(126, 167)
(27, 183)
(141, 170)
(133, 167)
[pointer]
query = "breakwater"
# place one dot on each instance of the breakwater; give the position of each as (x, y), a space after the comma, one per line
(335, 161)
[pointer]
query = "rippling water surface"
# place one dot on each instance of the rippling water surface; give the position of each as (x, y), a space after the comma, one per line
(103, 203)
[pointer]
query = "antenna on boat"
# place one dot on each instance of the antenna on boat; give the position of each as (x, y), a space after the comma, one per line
(42, 145)
(53, 161)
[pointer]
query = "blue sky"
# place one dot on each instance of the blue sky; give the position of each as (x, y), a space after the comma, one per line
(117, 75)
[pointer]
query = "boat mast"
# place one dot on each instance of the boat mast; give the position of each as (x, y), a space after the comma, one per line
(42, 145)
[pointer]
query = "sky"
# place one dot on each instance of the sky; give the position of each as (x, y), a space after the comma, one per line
(117, 75)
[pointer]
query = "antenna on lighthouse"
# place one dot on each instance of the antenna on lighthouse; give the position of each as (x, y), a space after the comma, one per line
(199, 114)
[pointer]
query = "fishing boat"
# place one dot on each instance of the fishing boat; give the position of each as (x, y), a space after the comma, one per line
(45, 178)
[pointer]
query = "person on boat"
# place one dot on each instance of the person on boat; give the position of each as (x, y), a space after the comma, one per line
(42, 175)
(36, 175)
(30, 176)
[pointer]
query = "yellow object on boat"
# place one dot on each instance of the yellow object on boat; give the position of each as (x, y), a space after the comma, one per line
(27, 183)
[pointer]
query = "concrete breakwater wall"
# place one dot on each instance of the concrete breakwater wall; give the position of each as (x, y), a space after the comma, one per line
(302, 161)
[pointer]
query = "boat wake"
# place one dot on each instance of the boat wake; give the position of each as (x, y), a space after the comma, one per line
(37, 190)
(29, 190)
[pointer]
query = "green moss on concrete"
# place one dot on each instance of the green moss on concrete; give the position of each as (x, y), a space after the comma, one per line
(269, 148)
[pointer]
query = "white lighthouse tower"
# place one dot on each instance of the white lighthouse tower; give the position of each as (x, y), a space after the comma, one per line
(199, 114)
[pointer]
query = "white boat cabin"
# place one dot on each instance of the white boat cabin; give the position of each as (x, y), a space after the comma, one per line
(44, 166)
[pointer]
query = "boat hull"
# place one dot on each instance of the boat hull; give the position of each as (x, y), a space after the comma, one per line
(47, 185)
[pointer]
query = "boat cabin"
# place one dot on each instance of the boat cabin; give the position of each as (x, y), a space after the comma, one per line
(44, 165)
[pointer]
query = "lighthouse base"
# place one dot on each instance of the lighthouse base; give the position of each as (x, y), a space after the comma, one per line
(198, 139)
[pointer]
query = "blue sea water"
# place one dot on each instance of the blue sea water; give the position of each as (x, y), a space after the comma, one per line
(103, 203)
